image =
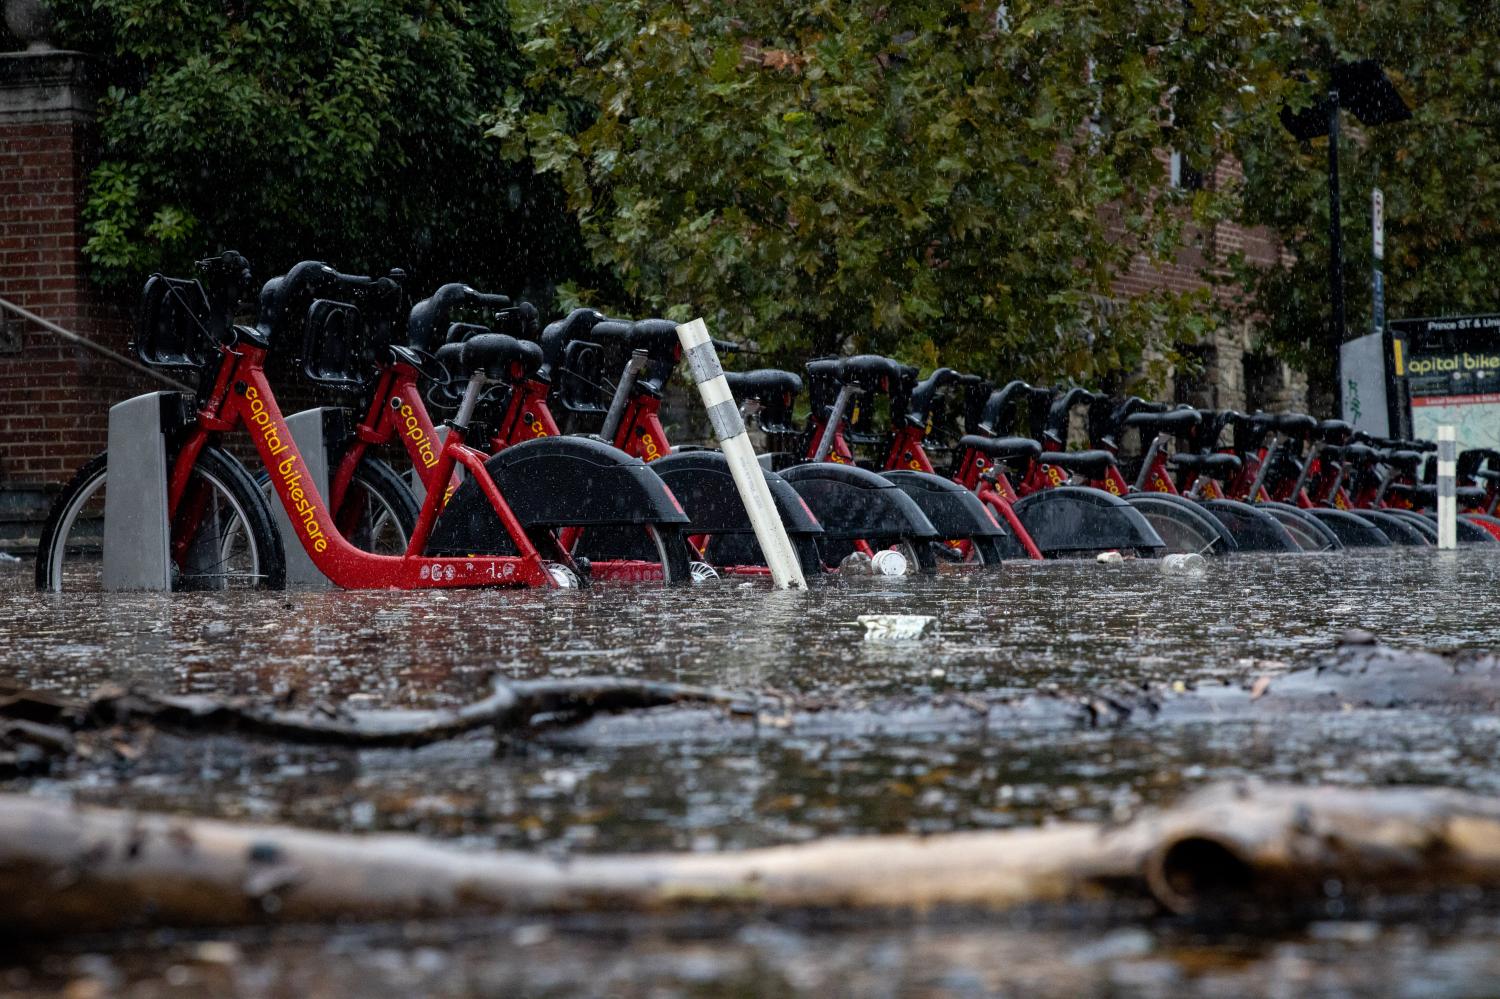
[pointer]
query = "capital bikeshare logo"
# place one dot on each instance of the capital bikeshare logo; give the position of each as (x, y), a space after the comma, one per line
(291, 478)
(418, 436)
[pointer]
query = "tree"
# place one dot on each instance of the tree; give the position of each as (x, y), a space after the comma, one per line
(1440, 173)
(347, 131)
(953, 183)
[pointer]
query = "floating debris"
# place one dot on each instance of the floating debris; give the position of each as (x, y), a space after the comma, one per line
(896, 627)
(1191, 564)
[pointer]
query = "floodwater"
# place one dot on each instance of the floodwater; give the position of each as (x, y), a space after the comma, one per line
(692, 780)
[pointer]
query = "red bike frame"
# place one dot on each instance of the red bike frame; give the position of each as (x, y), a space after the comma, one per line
(975, 473)
(397, 411)
(242, 395)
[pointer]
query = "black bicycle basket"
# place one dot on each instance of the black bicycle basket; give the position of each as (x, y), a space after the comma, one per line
(346, 338)
(175, 324)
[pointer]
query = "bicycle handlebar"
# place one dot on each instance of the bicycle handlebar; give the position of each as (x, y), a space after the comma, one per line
(998, 406)
(1059, 408)
(227, 280)
(430, 317)
(312, 279)
(919, 408)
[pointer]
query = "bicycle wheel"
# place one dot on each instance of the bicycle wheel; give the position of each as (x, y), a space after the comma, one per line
(223, 538)
(1310, 534)
(673, 553)
(380, 509)
(1184, 526)
(378, 513)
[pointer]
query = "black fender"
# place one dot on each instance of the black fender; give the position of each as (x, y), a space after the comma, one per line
(1467, 531)
(855, 504)
(1470, 533)
(1310, 533)
(956, 513)
(703, 484)
(1074, 520)
(705, 487)
(1396, 528)
(1351, 530)
(1427, 528)
(1181, 522)
(1480, 520)
(1254, 529)
(552, 482)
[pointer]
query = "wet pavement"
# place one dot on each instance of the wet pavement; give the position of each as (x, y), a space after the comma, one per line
(694, 784)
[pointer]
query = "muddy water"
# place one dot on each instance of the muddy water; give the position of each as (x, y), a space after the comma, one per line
(1063, 626)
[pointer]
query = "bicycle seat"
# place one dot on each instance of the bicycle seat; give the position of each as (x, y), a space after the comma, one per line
(1400, 444)
(1333, 431)
(1216, 466)
(1001, 448)
(1359, 454)
(1089, 464)
(1470, 460)
(1426, 495)
(871, 371)
(499, 356)
(421, 361)
(762, 383)
(657, 337)
(1174, 421)
(1406, 461)
(1293, 424)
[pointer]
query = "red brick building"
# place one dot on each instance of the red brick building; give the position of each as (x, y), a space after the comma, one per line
(1232, 375)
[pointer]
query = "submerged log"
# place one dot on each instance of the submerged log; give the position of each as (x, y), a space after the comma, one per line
(1241, 851)
(510, 708)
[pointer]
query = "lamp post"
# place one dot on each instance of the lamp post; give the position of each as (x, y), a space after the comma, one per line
(1364, 89)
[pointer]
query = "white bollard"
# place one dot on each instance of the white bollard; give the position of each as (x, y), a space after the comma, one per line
(703, 362)
(137, 541)
(1447, 504)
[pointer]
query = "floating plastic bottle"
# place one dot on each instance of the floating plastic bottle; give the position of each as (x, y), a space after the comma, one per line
(1191, 564)
(855, 564)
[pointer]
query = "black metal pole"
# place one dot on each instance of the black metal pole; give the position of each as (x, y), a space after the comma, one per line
(1335, 252)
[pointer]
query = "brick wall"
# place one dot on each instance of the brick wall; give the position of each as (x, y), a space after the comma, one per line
(1231, 375)
(54, 396)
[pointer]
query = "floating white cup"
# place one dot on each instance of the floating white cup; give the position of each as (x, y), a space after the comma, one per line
(888, 563)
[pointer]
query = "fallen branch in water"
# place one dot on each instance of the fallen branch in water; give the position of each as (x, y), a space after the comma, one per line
(1357, 674)
(1231, 850)
(512, 707)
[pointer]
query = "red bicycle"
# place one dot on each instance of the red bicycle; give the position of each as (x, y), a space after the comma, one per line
(579, 489)
(221, 530)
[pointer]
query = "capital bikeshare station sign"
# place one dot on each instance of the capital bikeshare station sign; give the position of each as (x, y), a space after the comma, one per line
(1449, 370)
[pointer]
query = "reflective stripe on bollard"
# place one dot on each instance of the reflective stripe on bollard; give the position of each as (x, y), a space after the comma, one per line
(1447, 505)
